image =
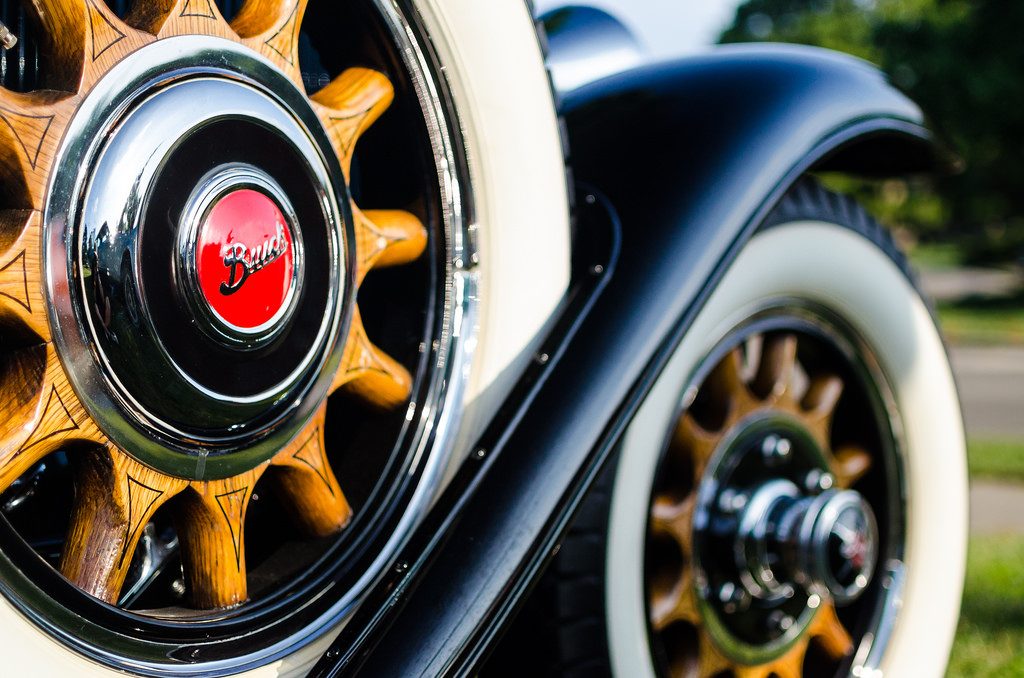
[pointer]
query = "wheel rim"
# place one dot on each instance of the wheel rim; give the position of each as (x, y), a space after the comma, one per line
(764, 557)
(128, 464)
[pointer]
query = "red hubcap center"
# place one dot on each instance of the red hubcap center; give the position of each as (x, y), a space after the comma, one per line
(245, 260)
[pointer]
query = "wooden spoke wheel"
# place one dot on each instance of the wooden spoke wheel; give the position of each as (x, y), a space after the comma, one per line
(763, 539)
(194, 326)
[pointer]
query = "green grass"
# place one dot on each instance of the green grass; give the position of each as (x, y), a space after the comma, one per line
(965, 323)
(1000, 459)
(990, 637)
(935, 256)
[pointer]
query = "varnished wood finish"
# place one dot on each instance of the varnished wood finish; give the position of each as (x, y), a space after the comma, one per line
(44, 415)
(349, 105)
(772, 385)
(369, 373)
(115, 496)
(271, 27)
(21, 272)
(210, 519)
(303, 476)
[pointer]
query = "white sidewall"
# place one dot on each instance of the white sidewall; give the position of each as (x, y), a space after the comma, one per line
(500, 86)
(494, 65)
(846, 273)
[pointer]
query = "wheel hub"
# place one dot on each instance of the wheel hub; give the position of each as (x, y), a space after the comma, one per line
(825, 544)
(763, 538)
(207, 264)
(773, 538)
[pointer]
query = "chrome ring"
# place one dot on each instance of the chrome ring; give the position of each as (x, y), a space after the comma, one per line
(236, 82)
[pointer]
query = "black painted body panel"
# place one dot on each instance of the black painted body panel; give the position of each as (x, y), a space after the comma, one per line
(679, 161)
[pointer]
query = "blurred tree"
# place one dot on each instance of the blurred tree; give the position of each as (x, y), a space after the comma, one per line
(962, 61)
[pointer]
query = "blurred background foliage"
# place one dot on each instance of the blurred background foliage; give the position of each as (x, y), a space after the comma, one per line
(962, 62)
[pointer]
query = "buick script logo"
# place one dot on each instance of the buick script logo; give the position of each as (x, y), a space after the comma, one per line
(242, 261)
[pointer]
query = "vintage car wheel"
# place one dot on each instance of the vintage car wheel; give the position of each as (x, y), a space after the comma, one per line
(237, 345)
(791, 497)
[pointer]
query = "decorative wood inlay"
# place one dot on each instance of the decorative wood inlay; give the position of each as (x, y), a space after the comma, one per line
(284, 42)
(14, 281)
(272, 28)
(104, 33)
(115, 497)
(141, 500)
(303, 478)
(311, 453)
(57, 419)
(31, 126)
(60, 416)
(387, 238)
(200, 8)
(232, 507)
(370, 374)
(166, 18)
(349, 105)
(29, 130)
(21, 284)
(210, 519)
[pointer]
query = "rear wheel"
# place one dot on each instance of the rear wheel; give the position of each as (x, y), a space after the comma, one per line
(791, 497)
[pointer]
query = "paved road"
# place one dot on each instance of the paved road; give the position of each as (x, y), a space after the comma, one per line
(997, 508)
(991, 384)
(957, 283)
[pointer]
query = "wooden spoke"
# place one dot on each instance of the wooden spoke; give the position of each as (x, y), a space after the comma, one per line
(678, 603)
(789, 665)
(31, 126)
(775, 372)
(727, 385)
(24, 373)
(386, 238)
(271, 27)
(115, 496)
(349, 105)
(64, 25)
(303, 476)
(711, 661)
(81, 39)
(21, 270)
(369, 373)
(829, 632)
(849, 464)
(44, 415)
(675, 520)
(819, 404)
(698, 443)
(166, 18)
(210, 519)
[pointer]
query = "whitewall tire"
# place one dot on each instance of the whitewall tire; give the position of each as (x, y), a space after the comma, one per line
(843, 271)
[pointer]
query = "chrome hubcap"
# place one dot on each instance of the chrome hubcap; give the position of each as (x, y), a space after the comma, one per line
(197, 258)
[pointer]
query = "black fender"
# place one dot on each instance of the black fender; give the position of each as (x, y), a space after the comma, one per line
(677, 164)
